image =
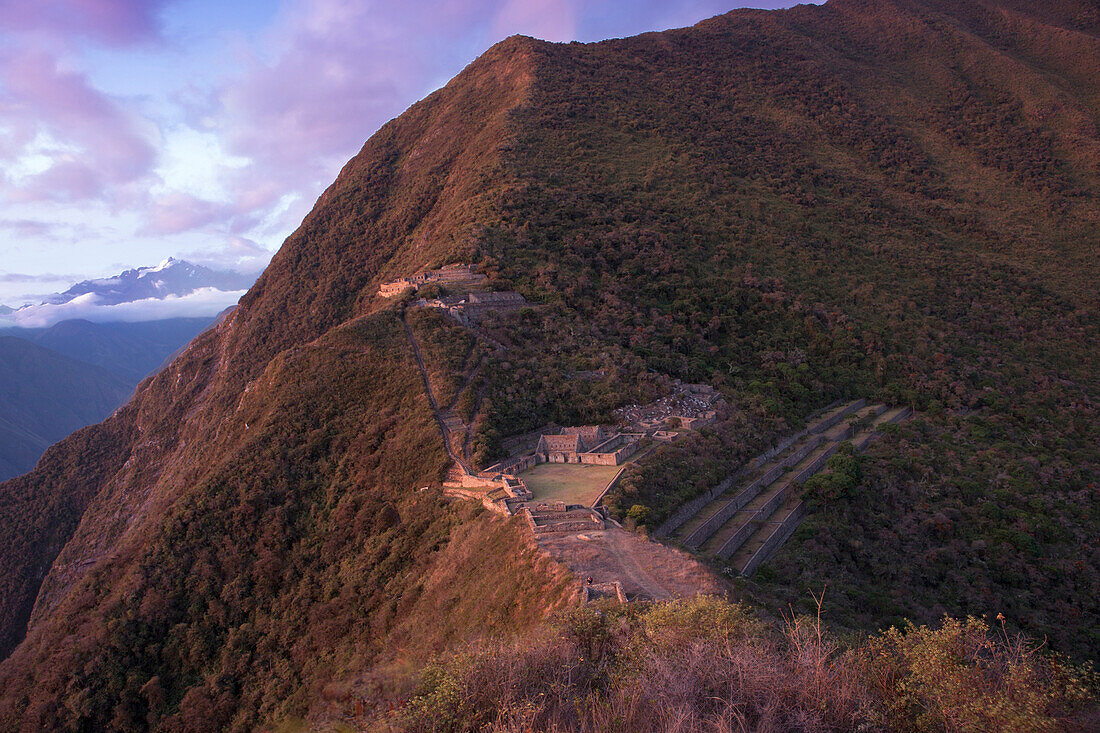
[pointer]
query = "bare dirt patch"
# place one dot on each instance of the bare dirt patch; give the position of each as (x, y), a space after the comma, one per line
(646, 569)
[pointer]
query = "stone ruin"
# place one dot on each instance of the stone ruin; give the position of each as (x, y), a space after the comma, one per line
(586, 444)
(688, 407)
(503, 493)
(558, 517)
(471, 309)
(459, 274)
(598, 591)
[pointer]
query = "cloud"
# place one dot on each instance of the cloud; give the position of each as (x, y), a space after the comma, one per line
(116, 22)
(238, 254)
(327, 74)
(19, 277)
(200, 303)
(30, 228)
(342, 69)
(66, 140)
(550, 20)
(179, 212)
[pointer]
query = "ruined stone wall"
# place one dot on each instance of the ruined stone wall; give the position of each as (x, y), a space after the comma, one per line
(473, 482)
(691, 508)
(747, 494)
(816, 465)
(566, 527)
(518, 464)
(608, 445)
(773, 543)
(733, 544)
(610, 485)
(597, 591)
(839, 415)
(453, 492)
(599, 459)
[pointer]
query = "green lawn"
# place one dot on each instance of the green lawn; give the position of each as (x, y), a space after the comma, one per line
(569, 482)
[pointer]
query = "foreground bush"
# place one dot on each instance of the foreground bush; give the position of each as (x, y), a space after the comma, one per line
(707, 665)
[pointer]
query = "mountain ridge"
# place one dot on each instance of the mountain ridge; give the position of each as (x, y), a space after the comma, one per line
(171, 277)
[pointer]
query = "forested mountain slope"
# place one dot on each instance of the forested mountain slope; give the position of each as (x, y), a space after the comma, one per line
(44, 396)
(896, 200)
(58, 379)
(130, 350)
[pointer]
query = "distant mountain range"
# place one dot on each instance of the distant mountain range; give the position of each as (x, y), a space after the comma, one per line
(172, 289)
(171, 277)
(56, 380)
(130, 351)
(59, 374)
(44, 396)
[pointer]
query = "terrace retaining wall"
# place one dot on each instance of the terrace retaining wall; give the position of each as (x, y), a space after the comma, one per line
(781, 534)
(712, 525)
(739, 537)
(834, 419)
(691, 508)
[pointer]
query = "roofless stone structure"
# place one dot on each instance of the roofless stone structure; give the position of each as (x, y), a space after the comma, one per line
(459, 274)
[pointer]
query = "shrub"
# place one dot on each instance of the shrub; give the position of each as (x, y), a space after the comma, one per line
(960, 677)
(705, 664)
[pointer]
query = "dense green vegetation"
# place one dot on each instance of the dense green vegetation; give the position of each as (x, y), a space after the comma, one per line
(802, 206)
(307, 547)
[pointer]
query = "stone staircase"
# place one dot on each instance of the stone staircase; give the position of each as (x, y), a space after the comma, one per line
(754, 515)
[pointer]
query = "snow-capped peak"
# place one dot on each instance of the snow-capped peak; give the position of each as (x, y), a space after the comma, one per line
(164, 264)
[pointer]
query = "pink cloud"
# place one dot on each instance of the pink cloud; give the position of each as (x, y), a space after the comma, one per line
(236, 253)
(116, 22)
(342, 68)
(98, 144)
(179, 212)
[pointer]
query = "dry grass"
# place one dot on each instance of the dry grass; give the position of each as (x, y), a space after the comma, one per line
(569, 482)
(707, 665)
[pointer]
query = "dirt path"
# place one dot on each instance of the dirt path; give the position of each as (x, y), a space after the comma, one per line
(629, 563)
(431, 399)
(465, 384)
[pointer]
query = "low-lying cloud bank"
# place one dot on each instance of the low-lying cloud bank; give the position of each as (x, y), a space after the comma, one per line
(204, 302)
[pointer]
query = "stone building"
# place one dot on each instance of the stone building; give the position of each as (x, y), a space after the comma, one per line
(588, 444)
(450, 275)
(590, 435)
(559, 448)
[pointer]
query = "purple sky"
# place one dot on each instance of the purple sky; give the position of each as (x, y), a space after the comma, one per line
(133, 130)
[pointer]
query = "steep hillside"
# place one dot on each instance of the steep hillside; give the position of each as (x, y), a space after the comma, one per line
(895, 200)
(279, 457)
(44, 396)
